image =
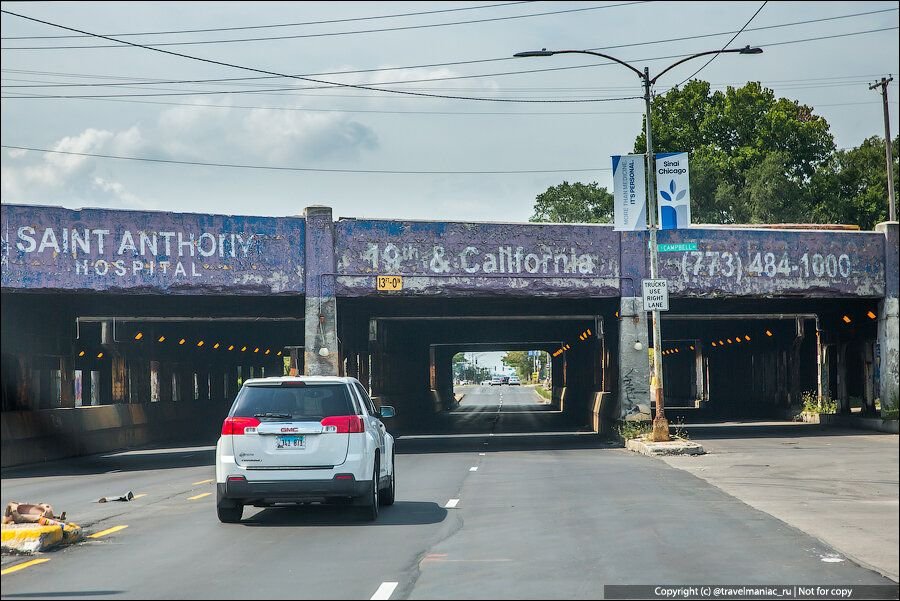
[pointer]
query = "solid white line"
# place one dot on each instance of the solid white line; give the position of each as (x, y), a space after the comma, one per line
(473, 469)
(451, 503)
(385, 590)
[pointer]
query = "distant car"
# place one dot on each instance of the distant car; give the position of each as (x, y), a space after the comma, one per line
(496, 381)
(514, 381)
(301, 440)
(505, 379)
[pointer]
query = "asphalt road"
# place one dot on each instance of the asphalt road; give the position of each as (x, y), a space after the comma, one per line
(499, 511)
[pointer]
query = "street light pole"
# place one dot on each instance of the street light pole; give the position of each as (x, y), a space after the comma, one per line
(660, 423)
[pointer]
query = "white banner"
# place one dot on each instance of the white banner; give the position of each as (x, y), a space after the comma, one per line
(673, 187)
(630, 191)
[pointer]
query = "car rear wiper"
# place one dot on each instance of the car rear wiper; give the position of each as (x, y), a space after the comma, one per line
(274, 415)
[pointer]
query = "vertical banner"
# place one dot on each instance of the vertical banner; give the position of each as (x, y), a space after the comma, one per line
(673, 190)
(630, 191)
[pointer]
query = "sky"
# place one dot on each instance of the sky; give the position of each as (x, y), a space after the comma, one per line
(332, 138)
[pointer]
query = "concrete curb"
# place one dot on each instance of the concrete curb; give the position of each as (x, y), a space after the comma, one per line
(31, 538)
(676, 446)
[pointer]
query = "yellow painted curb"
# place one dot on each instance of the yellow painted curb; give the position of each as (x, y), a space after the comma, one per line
(30, 538)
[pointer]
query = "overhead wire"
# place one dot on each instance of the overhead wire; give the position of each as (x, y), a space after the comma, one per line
(477, 61)
(309, 79)
(740, 31)
(329, 34)
(370, 87)
(275, 25)
(303, 169)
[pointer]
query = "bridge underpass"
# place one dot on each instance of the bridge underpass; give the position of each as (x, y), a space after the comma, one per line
(91, 280)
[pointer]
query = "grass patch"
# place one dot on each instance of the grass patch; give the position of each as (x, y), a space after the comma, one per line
(628, 430)
(547, 394)
(812, 404)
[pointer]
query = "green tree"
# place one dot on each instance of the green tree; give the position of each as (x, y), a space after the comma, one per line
(523, 364)
(753, 156)
(574, 203)
(852, 187)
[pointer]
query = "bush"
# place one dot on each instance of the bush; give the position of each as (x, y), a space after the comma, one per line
(628, 430)
(812, 404)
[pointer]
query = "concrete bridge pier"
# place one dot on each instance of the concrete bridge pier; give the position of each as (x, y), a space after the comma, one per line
(887, 350)
(321, 353)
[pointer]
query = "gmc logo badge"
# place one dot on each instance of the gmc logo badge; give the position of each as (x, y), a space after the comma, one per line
(290, 429)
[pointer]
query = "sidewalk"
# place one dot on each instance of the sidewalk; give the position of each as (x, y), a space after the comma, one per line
(840, 486)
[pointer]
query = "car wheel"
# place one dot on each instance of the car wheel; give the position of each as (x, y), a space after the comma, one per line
(370, 502)
(229, 512)
(387, 495)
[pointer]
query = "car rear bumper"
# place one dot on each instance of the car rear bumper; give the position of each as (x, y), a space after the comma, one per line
(287, 491)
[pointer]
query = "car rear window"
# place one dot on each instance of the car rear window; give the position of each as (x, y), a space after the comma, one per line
(312, 402)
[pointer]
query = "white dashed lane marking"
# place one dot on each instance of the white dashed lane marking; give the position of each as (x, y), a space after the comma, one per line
(385, 590)
(451, 503)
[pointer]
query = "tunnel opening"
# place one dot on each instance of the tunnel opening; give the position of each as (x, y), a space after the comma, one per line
(134, 369)
(766, 358)
(403, 350)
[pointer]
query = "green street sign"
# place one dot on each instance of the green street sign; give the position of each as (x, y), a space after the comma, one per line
(680, 247)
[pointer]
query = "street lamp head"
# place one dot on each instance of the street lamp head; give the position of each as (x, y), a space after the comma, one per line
(530, 53)
(749, 50)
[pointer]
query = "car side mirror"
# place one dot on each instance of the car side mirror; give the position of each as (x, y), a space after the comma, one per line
(386, 412)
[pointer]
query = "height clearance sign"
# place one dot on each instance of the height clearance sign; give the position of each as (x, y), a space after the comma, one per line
(673, 190)
(630, 191)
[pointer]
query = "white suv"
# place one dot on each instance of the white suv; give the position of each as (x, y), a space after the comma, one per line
(300, 440)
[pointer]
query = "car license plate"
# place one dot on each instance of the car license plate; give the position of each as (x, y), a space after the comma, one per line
(290, 442)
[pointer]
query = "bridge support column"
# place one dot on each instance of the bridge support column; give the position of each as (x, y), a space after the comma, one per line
(887, 350)
(634, 366)
(700, 392)
(321, 352)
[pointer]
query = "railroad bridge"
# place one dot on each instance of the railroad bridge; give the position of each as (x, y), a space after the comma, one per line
(119, 327)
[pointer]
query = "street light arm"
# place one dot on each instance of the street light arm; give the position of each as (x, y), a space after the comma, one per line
(600, 54)
(744, 50)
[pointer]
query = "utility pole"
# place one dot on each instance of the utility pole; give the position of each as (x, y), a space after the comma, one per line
(892, 206)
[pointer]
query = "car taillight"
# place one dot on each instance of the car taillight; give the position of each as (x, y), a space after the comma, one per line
(343, 424)
(235, 426)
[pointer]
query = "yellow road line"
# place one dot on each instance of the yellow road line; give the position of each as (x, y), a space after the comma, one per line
(200, 496)
(202, 482)
(22, 566)
(143, 494)
(107, 531)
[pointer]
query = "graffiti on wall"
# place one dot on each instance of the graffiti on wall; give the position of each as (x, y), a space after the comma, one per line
(442, 257)
(774, 263)
(55, 248)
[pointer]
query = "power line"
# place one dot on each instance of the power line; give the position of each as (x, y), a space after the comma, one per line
(446, 64)
(408, 92)
(800, 83)
(303, 169)
(333, 33)
(329, 21)
(715, 56)
(319, 81)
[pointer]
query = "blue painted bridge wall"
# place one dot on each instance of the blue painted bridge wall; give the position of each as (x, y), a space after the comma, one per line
(49, 248)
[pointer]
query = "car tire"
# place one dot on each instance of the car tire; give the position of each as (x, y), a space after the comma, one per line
(229, 512)
(369, 508)
(387, 495)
